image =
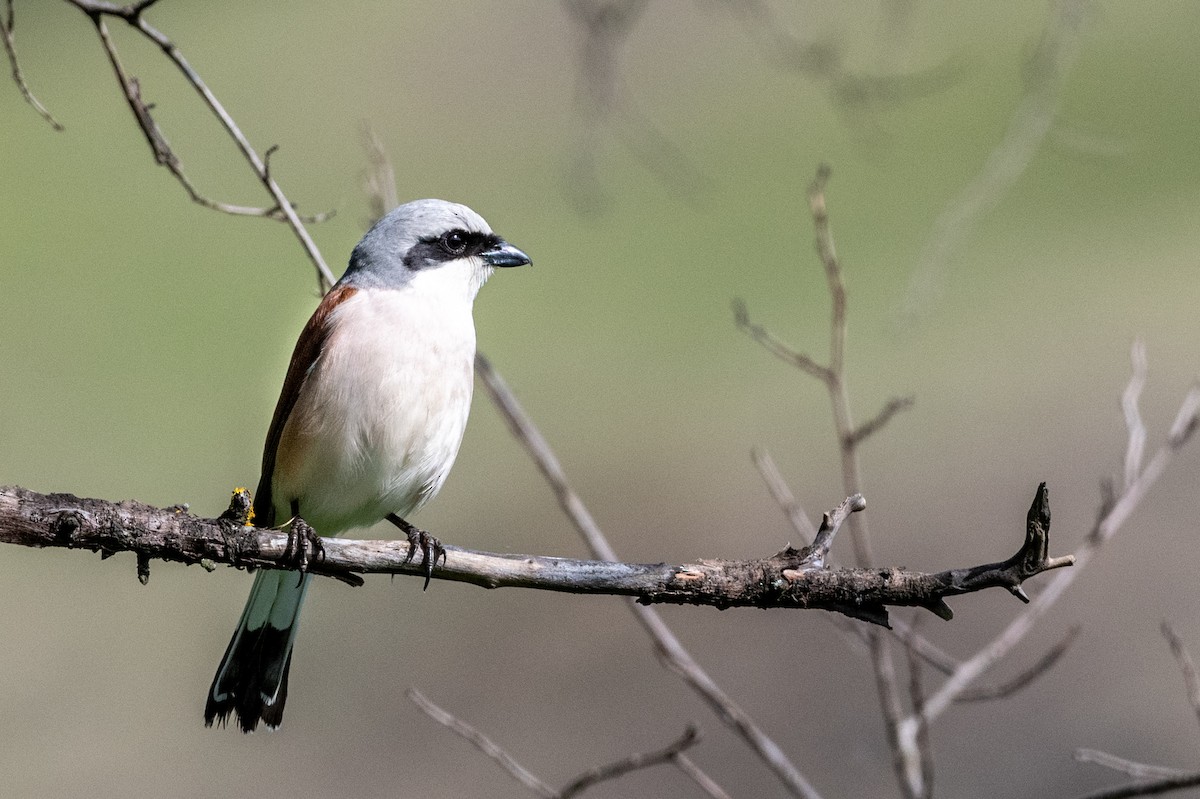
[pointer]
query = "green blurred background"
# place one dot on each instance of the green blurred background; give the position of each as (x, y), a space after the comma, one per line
(144, 340)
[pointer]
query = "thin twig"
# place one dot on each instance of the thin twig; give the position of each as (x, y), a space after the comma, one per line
(1119, 512)
(670, 650)
(705, 782)
(1133, 417)
(894, 406)
(907, 756)
(773, 345)
(783, 496)
(1148, 788)
(916, 693)
(634, 762)
(1139, 771)
(97, 10)
(1186, 665)
(7, 23)
(484, 744)
(379, 179)
(985, 693)
(1046, 77)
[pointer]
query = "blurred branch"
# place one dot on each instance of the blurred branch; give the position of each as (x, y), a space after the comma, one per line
(671, 650)
(1139, 771)
(605, 108)
(782, 494)
(1116, 512)
(379, 179)
(618, 768)
(1186, 665)
(1151, 780)
(7, 24)
(1045, 77)
(483, 744)
(671, 753)
(987, 693)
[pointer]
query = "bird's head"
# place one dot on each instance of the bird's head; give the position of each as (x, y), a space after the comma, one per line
(430, 243)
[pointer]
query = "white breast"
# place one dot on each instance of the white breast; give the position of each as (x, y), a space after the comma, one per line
(382, 413)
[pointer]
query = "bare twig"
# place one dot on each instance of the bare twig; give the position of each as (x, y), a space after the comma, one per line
(1155, 787)
(773, 345)
(1151, 780)
(483, 744)
(1139, 771)
(1046, 75)
(606, 110)
(705, 782)
(7, 23)
(916, 693)
(782, 494)
(985, 693)
(894, 406)
(1186, 665)
(617, 768)
(907, 759)
(787, 579)
(670, 650)
(1133, 418)
(379, 179)
(1118, 513)
(672, 753)
(97, 11)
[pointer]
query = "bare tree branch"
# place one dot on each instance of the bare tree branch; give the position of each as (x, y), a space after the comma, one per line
(1119, 509)
(705, 782)
(792, 578)
(1156, 787)
(782, 494)
(907, 759)
(7, 23)
(1139, 771)
(894, 406)
(1186, 665)
(483, 744)
(1045, 76)
(132, 15)
(670, 649)
(987, 693)
(618, 768)
(672, 753)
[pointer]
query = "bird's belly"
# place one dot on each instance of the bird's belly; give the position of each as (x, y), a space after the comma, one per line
(379, 422)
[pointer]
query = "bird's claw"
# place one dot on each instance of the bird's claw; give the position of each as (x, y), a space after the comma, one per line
(304, 546)
(431, 550)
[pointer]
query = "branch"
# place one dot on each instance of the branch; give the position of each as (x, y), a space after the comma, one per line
(10, 47)
(483, 744)
(640, 760)
(793, 578)
(671, 651)
(283, 210)
(1046, 75)
(672, 753)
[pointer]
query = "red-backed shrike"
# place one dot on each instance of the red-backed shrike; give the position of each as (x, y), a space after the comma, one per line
(369, 421)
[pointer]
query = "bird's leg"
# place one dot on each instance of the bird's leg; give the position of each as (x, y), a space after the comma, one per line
(303, 545)
(431, 548)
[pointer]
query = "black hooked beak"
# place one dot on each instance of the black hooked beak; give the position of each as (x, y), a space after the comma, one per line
(504, 254)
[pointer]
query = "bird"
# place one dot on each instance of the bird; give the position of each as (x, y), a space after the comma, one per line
(368, 423)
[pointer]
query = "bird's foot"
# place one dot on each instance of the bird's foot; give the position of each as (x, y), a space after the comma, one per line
(304, 546)
(431, 548)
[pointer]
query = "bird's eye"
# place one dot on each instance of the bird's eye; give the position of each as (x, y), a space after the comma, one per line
(454, 242)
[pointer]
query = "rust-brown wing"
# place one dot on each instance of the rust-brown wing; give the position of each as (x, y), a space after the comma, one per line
(308, 349)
